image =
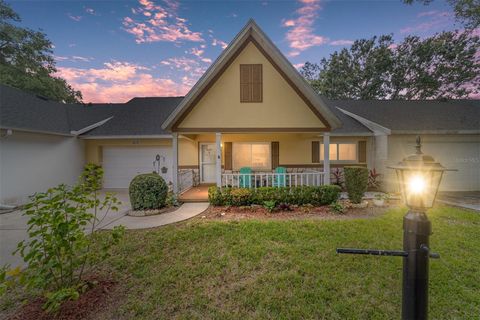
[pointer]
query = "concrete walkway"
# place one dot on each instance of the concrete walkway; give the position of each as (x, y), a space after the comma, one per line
(184, 212)
(466, 199)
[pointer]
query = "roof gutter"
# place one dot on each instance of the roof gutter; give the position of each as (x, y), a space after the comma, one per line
(153, 136)
(37, 131)
(435, 131)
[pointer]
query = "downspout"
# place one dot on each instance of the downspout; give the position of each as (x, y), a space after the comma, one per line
(3, 135)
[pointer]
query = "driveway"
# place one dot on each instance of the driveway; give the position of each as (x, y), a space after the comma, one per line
(463, 199)
(13, 228)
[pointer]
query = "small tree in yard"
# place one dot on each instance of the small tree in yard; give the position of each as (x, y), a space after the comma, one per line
(59, 251)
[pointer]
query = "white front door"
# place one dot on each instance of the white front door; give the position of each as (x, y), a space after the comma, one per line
(207, 162)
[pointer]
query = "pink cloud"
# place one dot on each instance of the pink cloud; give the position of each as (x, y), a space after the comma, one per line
(341, 42)
(301, 34)
(216, 42)
(191, 66)
(435, 20)
(162, 24)
(299, 65)
(119, 82)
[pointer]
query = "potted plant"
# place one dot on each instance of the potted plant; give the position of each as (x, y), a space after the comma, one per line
(380, 198)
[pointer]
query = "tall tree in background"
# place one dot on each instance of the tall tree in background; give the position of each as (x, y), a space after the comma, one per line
(466, 11)
(26, 60)
(442, 66)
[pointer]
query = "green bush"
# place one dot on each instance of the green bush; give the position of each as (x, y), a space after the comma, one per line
(59, 251)
(92, 176)
(356, 182)
(148, 191)
(316, 196)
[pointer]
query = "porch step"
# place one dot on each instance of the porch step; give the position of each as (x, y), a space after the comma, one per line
(190, 200)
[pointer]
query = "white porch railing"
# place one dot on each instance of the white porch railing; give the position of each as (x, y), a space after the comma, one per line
(185, 180)
(269, 179)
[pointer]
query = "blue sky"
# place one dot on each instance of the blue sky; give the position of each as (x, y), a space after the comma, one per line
(115, 50)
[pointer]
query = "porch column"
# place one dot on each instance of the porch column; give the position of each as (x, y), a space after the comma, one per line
(218, 160)
(175, 162)
(326, 158)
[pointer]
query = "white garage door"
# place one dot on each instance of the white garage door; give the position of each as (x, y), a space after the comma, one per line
(463, 156)
(122, 164)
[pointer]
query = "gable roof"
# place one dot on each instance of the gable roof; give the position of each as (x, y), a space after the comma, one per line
(251, 32)
(417, 116)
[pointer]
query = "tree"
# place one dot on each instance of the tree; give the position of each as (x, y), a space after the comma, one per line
(26, 60)
(359, 72)
(466, 11)
(442, 66)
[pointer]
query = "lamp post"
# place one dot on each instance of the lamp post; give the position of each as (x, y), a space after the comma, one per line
(419, 176)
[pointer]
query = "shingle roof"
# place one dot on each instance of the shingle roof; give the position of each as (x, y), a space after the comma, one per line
(139, 116)
(144, 116)
(411, 116)
(25, 111)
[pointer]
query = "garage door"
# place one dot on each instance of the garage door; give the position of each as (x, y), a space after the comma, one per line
(122, 164)
(463, 156)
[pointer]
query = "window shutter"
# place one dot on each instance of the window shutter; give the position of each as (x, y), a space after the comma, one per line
(228, 155)
(257, 85)
(245, 82)
(315, 151)
(362, 151)
(275, 154)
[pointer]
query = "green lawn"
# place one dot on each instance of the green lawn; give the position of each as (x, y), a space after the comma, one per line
(289, 269)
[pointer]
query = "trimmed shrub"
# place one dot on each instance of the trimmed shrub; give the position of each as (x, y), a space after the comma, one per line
(356, 182)
(316, 196)
(148, 191)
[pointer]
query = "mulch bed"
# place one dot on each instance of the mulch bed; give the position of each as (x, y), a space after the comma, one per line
(84, 307)
(228, 213)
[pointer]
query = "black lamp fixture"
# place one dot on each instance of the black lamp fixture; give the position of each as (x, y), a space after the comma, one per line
(419, 177)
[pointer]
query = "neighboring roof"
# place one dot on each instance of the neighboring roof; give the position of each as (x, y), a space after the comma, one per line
(252, 32)
(139, 116)
(24, 111)
(417, 116)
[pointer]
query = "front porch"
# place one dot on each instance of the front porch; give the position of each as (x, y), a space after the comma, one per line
(248, 160)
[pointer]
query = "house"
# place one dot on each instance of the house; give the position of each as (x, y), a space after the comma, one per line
(252, 109)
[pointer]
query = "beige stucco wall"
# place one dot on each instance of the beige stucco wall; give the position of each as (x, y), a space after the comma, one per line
(93, 148)
(461, 152)
(295, 149)
(220, 107)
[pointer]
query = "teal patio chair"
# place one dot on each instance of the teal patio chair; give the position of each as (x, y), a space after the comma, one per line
(245, 178)
(280, 177)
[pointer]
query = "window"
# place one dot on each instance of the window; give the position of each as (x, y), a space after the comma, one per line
(251, 83)
(255, 155)
(341, 151)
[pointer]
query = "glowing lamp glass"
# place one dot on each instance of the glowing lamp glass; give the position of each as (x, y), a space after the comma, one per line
(416, 184)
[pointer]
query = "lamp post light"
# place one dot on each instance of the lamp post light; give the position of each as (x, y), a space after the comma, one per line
(419, 176)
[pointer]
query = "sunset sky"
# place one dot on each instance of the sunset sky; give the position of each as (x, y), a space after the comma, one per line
(113, 51)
